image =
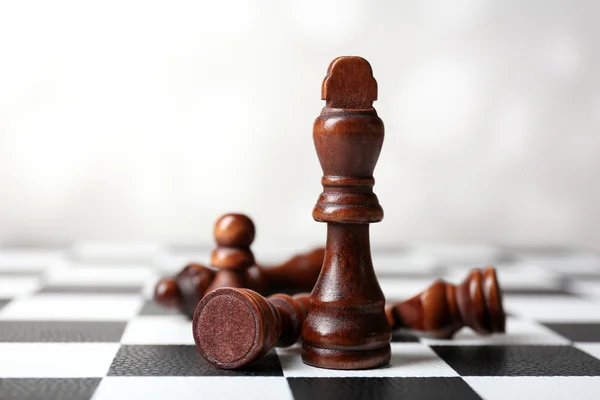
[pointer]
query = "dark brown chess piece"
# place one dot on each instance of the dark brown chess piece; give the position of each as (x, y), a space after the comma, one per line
(233, 327)
(298, 274)
(346, 327)
(439, 311)
(185, 290)
(442, 309)
(234, 233)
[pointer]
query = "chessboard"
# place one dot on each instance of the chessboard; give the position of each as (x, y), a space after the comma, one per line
(79, 323)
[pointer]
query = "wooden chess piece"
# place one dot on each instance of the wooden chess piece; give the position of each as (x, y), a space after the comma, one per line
(443, 309)
(346, 327)
(298, 274)
(435, 312)
(234, 233)
(185, 290)
(233, 327)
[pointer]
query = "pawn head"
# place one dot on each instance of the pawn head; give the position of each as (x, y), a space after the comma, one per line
(234, 230)
(166, 293)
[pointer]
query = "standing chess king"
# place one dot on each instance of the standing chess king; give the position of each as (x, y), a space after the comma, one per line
(346, 327)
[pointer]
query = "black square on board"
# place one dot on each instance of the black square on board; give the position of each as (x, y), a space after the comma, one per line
(403, 337)
(91, 289)
(575, 277)
(540, 291)
(4, 302)
(182, 360)
(19, 273)
(577, 332)
(519, 360)
(380, 388)
(61, 331)
(48, 388)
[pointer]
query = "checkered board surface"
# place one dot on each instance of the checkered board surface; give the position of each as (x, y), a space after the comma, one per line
(78, 323)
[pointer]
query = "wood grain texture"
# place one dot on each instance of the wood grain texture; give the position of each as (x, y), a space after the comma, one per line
(346, 327)
(186, 289)
(234, 233)
(235, 267)
(233, 327)
(298, 274)
(443, 309)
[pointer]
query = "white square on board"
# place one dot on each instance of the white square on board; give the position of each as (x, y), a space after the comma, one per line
(100, 250)
(553, 308)
(201, 388)
(30, 259)
(534, 387)
(460, 253)
(12, 286)
(399, 289)
(408, 262)
(516, 276)
(56, 360)
(568, 263)
(82, 275)
(72, 307)
(590, 348)
(158, 330)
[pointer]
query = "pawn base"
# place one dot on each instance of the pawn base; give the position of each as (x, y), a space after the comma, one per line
(346, 359)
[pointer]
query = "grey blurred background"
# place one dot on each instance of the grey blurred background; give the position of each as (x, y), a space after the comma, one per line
(144, 121)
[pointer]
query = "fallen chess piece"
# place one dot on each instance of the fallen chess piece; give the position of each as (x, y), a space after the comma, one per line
(184, 290)
(296, 275)
(443, 309)
(235, 327)
(232, 265)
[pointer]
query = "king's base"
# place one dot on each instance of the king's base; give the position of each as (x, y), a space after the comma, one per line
(346, 359)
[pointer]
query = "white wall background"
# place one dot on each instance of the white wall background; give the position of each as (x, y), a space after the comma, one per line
(146, 120)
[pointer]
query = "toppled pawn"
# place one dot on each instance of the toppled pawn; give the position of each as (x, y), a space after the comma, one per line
(233, 233)
(233, 327)
(185, 290)
(298, 274)
(443, 309)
